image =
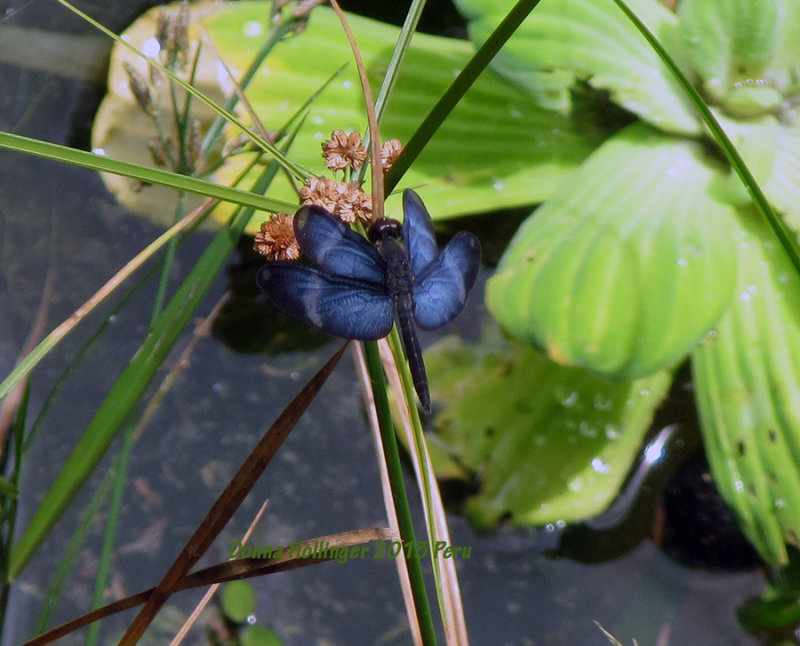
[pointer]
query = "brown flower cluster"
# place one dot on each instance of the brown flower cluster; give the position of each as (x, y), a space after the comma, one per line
(276, 240)
(343, 150)
(344, 200)
(346, 151)
(390, 151)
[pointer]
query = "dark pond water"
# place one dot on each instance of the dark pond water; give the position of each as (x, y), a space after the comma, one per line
(60, 221)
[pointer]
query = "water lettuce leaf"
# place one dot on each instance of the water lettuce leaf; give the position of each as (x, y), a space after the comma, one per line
(497, 148)
(627, 266)
(591, 39)
(747, 381)
(731, 43)
(546, 442)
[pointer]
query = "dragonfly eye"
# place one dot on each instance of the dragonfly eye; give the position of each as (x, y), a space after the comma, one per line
(385, 229)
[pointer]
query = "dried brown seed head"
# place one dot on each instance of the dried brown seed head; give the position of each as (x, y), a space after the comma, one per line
(173, 35)
(390, 151)
(158, 153)
(320, 191)
(276, 240)
(140, 89)
(343, 150)
(361, 202)
(194, 146)
(346, 201)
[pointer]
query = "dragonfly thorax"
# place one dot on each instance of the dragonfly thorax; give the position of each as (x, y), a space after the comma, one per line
(385, 229)
(387, 236)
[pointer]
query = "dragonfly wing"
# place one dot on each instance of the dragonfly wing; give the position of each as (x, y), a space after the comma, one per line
(418, 232)
(339, 305)
(440, 290)
(336, 248)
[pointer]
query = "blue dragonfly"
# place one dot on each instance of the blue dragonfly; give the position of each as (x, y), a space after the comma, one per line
(358, 290)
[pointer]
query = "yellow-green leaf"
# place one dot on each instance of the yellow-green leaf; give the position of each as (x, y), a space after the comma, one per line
(497, 149)
(546, 443)
(731, 42)
(747, 380)
(628, 265)
(591, 39)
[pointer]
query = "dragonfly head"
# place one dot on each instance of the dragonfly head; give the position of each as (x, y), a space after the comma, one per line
(384, 230)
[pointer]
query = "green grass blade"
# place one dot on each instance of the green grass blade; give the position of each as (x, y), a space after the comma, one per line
(120, 401)
(76, 359)
(424, 615)
(51, 340)
(8, 510)
(273, 38)
(110, 533)
(126, 391)
(783, 234)
(416, 447)
(124, 395)
(184, 183)
(398, 487)
(70, 554)
(398, 54)
(393, 71)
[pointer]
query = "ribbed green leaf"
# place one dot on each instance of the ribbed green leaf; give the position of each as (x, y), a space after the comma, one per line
(731, 42)
(627, 265)
(594, 40)
(771, 150)
(782, 186)
(783, 67)
(497, 148)
(747, 379)
(546, 442)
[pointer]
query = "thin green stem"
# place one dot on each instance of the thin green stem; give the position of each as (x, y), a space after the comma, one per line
(274, 36)
(393, 72)
(120, 476)
(56, 152)
(397, 484)
(167, 264)
(422, 456)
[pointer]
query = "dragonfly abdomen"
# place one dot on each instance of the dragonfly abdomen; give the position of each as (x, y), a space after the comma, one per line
(408, 334)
